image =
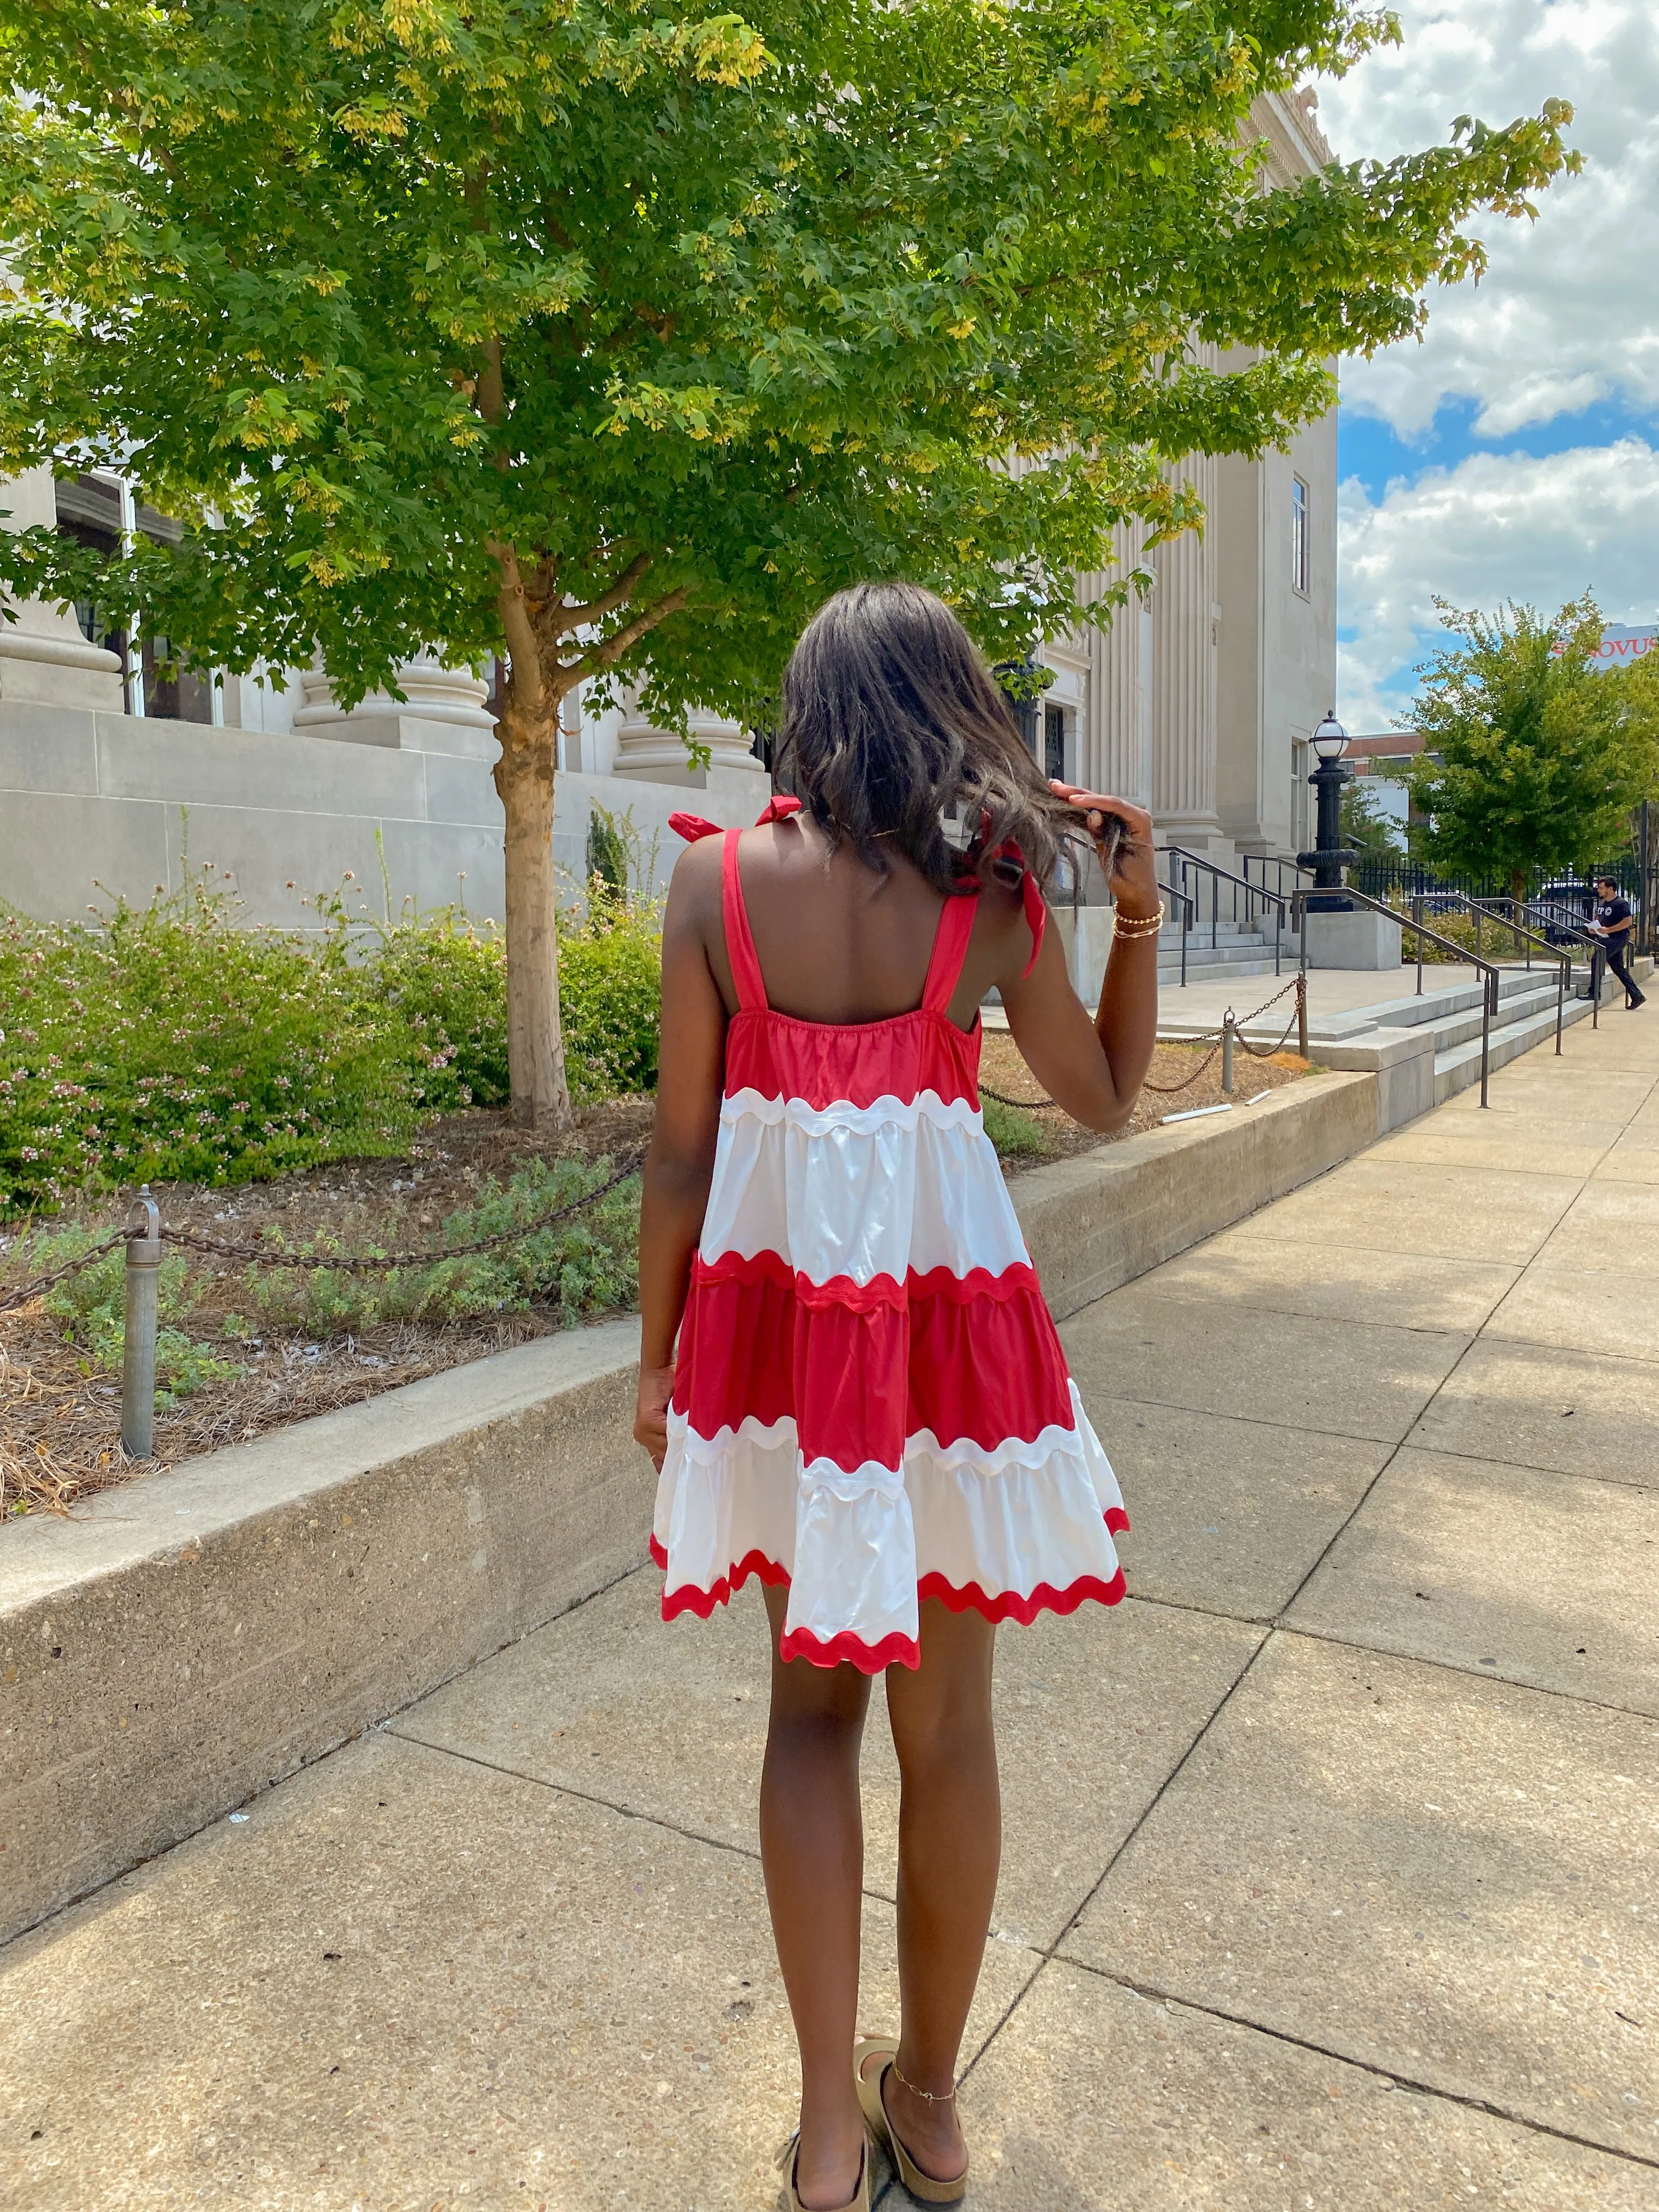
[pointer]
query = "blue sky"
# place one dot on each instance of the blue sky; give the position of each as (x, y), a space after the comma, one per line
(1514, 452)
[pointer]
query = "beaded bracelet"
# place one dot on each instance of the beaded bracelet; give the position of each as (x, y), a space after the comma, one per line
(1141, 924)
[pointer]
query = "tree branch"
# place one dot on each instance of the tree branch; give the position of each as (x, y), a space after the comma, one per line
(521, 640)
(618, 595)
(608, 655)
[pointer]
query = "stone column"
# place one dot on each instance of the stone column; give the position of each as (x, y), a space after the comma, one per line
(1186, 613)
(443, 711)
(653, 756)
(44, 659)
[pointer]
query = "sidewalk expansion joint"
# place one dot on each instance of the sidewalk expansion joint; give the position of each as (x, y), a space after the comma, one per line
(1152, 1994)
(750, 1851)
(1461, 1667)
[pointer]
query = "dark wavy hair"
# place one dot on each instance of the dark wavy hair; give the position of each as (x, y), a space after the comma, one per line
(894, 730)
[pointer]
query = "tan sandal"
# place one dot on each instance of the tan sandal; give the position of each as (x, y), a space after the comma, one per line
(859, 2200)
(922, 2186)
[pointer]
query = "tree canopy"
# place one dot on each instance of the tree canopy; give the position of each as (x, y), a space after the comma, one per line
(612, 344)
(1533, 759)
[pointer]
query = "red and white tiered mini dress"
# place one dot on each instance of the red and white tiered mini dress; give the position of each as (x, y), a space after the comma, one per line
(870, 1404)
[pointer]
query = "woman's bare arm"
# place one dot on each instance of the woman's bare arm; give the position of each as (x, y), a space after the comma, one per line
(681, 1160)
(1095, 1069)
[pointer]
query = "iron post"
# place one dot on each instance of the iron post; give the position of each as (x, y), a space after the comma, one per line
(138, 1350)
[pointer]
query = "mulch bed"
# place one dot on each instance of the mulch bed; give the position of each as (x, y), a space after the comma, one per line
(1003, 1069)
(59, 1423)
(60, 1426)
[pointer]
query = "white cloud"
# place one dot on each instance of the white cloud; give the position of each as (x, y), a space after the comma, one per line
(1495, 527)
(1568, 311)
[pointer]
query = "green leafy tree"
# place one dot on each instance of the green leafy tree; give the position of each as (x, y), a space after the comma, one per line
(1365, 826)
(610, 343)
(1532, 760)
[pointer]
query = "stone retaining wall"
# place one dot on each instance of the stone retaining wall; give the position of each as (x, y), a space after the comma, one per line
(184, 1642)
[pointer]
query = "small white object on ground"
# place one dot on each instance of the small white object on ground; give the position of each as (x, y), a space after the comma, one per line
(1258, 1098)
(1193, 1113)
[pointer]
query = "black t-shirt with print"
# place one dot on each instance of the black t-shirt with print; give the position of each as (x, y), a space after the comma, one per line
(1610, 913)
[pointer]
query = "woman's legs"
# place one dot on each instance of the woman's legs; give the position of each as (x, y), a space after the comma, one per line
(812, 1851)
(949, 1845)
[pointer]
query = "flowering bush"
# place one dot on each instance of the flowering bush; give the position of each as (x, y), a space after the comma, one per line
(170, 1044)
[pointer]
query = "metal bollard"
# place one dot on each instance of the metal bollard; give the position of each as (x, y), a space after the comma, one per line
(1228, 1025)
(138, 1355)
(1301, 1016)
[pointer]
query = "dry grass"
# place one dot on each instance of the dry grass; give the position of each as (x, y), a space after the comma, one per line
(1003, 1068)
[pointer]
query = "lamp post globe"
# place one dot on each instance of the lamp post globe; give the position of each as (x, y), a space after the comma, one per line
(1329, 857)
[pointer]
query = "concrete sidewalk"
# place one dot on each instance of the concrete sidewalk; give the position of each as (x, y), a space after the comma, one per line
(1332, 1867)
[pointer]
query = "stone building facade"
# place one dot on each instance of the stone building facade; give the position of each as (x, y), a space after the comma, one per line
(1199, 702)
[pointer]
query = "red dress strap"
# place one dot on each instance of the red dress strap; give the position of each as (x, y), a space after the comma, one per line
(956, 926)
(740, 940)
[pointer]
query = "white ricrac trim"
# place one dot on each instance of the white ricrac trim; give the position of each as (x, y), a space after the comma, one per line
(964, 1456)
(887, 1112)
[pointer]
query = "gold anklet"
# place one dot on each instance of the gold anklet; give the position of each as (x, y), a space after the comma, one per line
(927, 2096)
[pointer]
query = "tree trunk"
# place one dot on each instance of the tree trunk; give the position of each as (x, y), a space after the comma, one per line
(535, 1043)
(1517, 886)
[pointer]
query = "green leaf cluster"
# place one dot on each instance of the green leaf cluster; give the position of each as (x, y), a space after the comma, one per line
(1533, 759)
(428, 319)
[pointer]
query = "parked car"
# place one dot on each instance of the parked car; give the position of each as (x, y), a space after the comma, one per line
(1567, 906)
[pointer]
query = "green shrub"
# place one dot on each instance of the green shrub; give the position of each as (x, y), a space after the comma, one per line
(447, 979)
(580, 1266)
(168, 1043)
(607, 851)
(93, 1305)
(1014, 1134)
(610, 997)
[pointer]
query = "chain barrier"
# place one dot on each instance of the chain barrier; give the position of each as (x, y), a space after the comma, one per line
(146, 1238)
(1213, 1038)
(28, 1292)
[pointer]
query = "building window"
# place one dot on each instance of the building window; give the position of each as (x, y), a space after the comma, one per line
(1299, 546)
(1053, 742)
(96, 511)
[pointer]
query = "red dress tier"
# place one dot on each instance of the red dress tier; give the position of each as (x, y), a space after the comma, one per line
(870, 1403)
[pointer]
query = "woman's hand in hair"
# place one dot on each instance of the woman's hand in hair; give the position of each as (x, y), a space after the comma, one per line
(1133, 877)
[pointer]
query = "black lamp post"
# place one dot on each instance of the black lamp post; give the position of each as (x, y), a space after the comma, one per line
(1330, 856)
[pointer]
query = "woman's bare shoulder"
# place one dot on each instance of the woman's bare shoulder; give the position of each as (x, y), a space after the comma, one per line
(694, 888)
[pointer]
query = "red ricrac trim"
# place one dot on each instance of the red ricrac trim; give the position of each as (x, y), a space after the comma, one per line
(850, 1650)
(847, 1649)
(687, 1598)
(1010, 1606)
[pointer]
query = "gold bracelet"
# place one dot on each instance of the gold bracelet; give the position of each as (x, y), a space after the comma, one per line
(1140, 925)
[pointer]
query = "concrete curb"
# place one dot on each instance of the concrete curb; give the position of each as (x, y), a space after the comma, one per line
(183, 1642)
(1100, 1219)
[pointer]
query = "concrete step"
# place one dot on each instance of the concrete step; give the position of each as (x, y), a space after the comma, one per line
(1207, 970)
(1459, 1065)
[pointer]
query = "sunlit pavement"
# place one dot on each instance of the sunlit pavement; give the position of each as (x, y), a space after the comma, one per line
(1331, 1875)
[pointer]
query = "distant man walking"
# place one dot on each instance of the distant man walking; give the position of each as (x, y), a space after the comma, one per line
(1615, 925)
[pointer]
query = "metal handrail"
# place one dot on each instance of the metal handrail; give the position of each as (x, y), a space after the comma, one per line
(1563, 960)
(1595, 946)
(1218, 876)
(1489, 969)
(1265, 860)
